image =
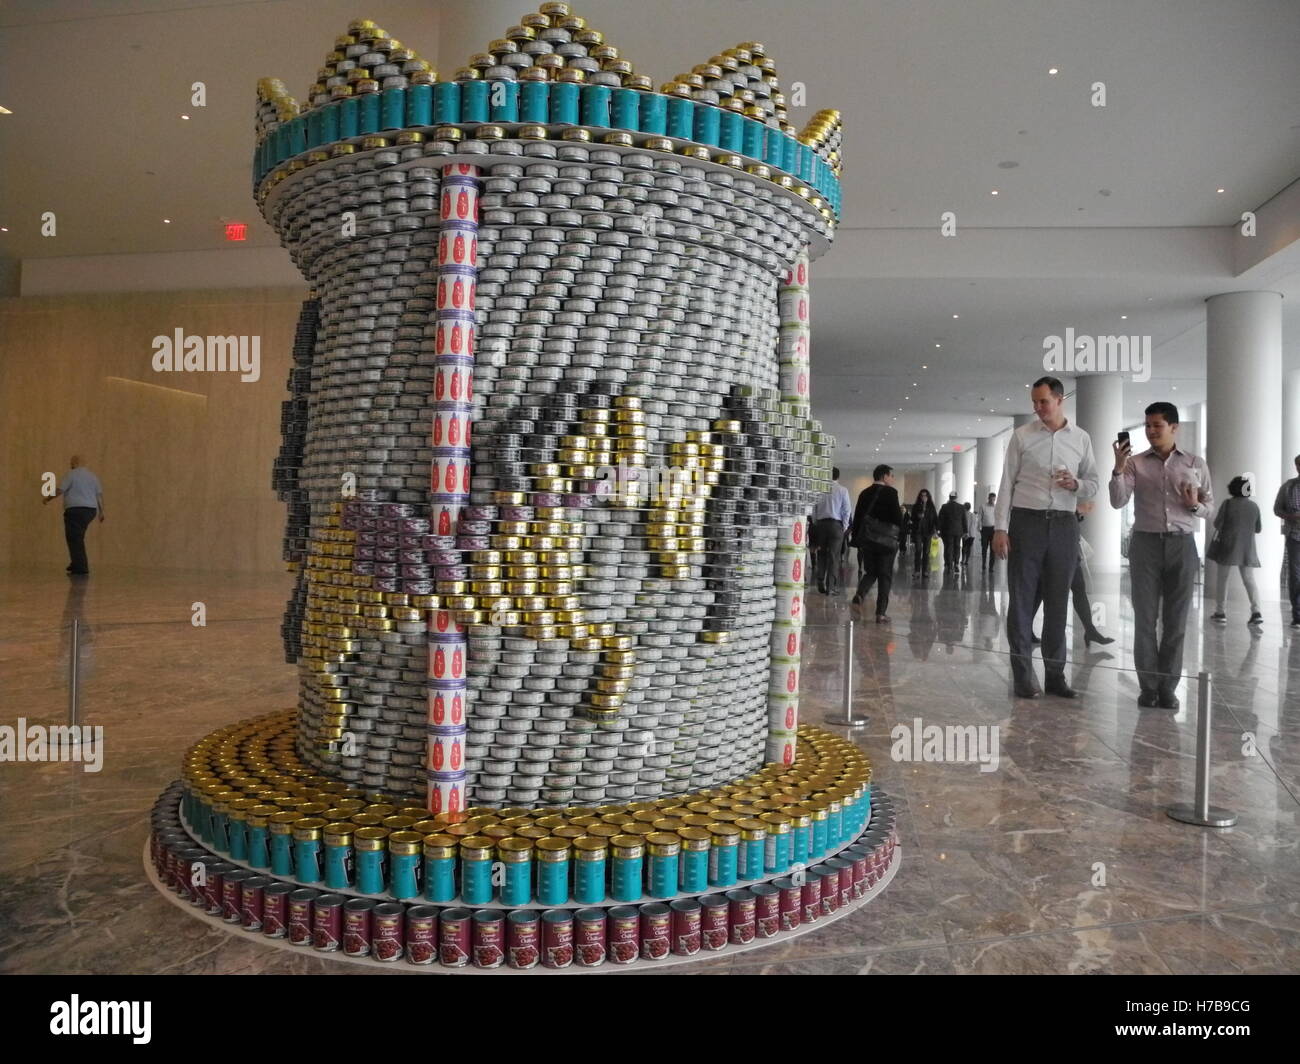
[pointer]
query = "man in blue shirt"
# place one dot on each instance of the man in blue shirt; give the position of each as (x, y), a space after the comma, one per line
(830, 520)
(83, 497)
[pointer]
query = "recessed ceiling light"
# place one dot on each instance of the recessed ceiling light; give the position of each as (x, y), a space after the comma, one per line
(1123, 317)
(185, 118)
(956, 315)
(994, 192)
(1053, 70)
(4, 229)
(1219, 190)
(5, 111)
(925, 367)
(938, 345)
(167, 221)
(1174, 387)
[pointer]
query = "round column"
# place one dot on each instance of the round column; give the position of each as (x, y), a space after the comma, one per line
(943, 481)
(963, 464)
(988, 465)
(932, 481)
(1243, 377)
(1099, 406)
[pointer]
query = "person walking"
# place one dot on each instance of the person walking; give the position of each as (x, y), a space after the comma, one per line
(876, 524)
(830, 520)
(1287, 507)
(968, 540)
(1236, 524)
(952, 530)
(83, 498)
(1049, 468)
(986, 532)
(925, 521)
(1171, 490)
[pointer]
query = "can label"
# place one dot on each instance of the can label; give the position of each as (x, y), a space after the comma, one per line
(589, 940)
(454, 936)
(812, 898)
(623, 936)
(742, 918)
(327, 927)
(421, 936)
(451, 428)
(356, 929)
(656, 934)
(557, 943)
(299, 922)
(446, 708)
(489, 942)
(687, 929)
(714, 924)
(523, 938)
(251, 905)
(275, 907)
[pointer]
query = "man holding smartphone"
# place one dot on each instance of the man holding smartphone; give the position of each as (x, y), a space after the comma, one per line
(1049, 468)
(1171, 491)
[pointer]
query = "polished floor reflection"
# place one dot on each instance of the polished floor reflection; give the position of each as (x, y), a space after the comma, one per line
(1061, 860)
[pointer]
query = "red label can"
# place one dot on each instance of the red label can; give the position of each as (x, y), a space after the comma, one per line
(387, 931)
(714, 921)
(327, 923)
(454, 937)
(275, 910)
(299, 922)
(523, 938)
(860, 859)
(686, 926)
(421, 934)
(790, 901)
(656, 931)
(623, 934)
(767, 909)
(356, 927)
(489, 938)
(845, 872)
(212, 889)
(557, 938)
(830, 880)
(590, 931)
(231, 895)
(812, 896)
(743, 911)
(250, 901)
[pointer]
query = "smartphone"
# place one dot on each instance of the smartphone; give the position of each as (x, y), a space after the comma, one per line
(1123, 439)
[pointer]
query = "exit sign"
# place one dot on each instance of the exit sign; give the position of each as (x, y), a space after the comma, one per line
(236, 231)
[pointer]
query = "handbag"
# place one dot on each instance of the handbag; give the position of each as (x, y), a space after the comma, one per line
(877, 533)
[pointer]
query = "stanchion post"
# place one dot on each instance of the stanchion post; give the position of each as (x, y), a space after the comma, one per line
(847, 719)
(1201, 812)
(74, 677)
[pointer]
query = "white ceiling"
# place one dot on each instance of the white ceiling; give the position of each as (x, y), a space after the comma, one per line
(1201, 95)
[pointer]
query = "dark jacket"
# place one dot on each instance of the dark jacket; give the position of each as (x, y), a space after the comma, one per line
(886, 509)
(1235, 525)
(952, 519)
(924, 521)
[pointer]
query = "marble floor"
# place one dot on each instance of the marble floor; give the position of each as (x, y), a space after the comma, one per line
(1061, 860)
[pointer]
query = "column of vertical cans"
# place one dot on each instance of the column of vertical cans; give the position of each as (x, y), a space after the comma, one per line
(449, 479)
(791, 550)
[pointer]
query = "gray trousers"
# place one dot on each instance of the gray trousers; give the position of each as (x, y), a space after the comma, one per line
(1044, 553)
(1247, 579)
(1162, 580)
(1293, 575)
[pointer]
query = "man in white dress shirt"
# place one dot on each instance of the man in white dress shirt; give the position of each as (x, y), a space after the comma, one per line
(830, 520)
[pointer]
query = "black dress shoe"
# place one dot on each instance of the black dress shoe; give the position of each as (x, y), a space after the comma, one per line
(1148, 700)
(1026, 690)
(1096, 637)
(1060, 689)
(1167, 701)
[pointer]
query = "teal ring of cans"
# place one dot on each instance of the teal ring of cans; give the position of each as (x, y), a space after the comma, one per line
(564, 105)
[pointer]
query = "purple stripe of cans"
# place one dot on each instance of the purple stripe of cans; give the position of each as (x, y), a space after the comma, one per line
(445, 729)
(451, 314)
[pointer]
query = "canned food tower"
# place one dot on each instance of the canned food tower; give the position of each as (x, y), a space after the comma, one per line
(547, 460)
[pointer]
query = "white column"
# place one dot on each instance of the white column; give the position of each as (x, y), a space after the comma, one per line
(963, 464)
(943, 481)
(1099, 403)
(988, 466)
(1243, 377)
(1290, 426)
(932, 481)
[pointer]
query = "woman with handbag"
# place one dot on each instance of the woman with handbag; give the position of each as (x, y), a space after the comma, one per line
(877, 521)
(925, 521)
(1235, 527)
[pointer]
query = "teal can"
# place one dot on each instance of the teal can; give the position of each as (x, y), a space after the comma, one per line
(314, 136)
(777, 847)
(681, 117)
(535, 101)
(440, 867)
(392, 108)
(552, 859)
(589, 870)
(338, 856)
(281, 845)
(329, 123)
(724, 857)
(664, 868)
(835, 824)
(625, 109)
(446, 102)
(503, 101)
(238, 827)
(752, 138)
(819, 823)
(708, 124)
(476, 870)
(773, 149)
(368, 113)
(404, 864)
(277, 144)
(307, 849)
(801, 838)
(627, 867)
(695, 860)
(753, 841)
(564, 102)
(596, 105)
(517, 883)
(731, 131)
(419, 105)
(474, 101)
(371, 847)
(259, 851)
(654, 113)
(203, 821)
(789, 153)
(849, 809)
(220, 827)
(349, 117)
(297, 135)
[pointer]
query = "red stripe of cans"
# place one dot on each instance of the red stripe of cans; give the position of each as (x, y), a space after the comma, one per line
(450, 475)
(453, 381)
(489, 938)
(421, 934)
(656, 931)
(388, 931)
(231, 896)
(767, 909)
(523, 938)
(356, 927)
(714, 921)
(590, 928)
(445, 515)
(446, 658)
(790, 901)
(557, 938)
(623, 934)
(686, 915)
(454, 336)
(812, 896)
(455, 937)
(445, 796)
(789, 567)
(457, 247)
(298, 923)
(446, 753)
(275, 910)
(446, 708)
(459, 202)
(251, 898)
(451, 428)
(327, 923)
(743, 912)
